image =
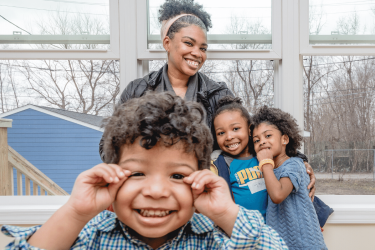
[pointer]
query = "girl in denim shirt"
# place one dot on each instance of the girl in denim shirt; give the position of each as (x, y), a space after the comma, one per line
(290, 211)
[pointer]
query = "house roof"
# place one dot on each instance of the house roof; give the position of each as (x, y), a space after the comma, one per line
(90, 121)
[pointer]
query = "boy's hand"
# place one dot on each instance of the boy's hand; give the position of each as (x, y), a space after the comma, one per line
(95, 189)
(212, 198)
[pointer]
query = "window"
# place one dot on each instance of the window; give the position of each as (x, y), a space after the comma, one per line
(339, 96)
(244, 25)
(55, 25)
(57, 108)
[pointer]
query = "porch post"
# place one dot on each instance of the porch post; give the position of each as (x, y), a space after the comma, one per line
(5, 174)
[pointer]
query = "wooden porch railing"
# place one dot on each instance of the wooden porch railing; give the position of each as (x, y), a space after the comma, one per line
(10, 159)
(31, 173)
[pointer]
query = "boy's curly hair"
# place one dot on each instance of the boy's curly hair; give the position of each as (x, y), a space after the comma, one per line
(284, 122)
(172, 8)
(158, 117)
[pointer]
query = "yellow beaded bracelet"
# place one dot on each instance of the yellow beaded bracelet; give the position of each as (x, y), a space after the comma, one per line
(266, 161)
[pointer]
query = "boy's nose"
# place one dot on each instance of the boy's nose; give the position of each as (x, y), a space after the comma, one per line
(156, 188)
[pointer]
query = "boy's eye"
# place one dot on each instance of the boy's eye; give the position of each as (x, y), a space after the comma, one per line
(235, 129)
(137, 174)
(177, 176)
(267, 136)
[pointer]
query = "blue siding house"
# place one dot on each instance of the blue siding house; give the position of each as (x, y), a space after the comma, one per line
(60, 143)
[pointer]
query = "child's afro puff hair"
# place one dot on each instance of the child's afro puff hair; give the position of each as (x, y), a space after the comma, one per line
(284, 122)
(158, 117)
(231, 103)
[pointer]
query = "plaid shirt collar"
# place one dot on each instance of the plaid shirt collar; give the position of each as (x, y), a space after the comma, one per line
(198, 224)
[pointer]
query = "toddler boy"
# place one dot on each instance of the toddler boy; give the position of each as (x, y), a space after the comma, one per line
(158, 152)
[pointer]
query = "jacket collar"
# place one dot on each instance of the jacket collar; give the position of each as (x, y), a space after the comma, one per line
(206, 86)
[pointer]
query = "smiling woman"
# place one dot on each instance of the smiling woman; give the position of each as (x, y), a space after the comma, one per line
(184, 26)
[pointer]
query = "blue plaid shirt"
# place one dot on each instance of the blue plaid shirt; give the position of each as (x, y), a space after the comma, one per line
(105, 231)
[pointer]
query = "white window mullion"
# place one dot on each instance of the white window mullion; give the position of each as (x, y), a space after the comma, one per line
(288, 72)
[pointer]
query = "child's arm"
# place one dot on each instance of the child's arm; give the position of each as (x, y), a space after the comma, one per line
(93, 191)
(245, 228)
(212, 199)
(277, 190)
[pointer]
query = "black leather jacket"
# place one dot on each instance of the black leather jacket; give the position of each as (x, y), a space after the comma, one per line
(209, 93)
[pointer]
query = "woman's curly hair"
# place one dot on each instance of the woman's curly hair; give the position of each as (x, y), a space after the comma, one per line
(284, 122)
(172, 8)
(158, 117)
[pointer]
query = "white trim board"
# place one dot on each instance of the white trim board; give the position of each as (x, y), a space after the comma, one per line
(29, 209)
(348, 209)
(30, 106)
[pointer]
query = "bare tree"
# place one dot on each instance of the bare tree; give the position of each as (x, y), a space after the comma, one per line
(316, 19)
(9, 90)
(349, 25)
(252, 80)
(86, 86)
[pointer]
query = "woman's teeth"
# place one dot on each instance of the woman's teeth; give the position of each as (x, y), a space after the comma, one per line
(233, 145)
(192, 63)
(154, 213)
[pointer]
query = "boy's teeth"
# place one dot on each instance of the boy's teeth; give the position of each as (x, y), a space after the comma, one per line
(154, 213)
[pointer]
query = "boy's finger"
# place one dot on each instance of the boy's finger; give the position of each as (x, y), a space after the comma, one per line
(110, 171)
(197, 177)
(119, 170)
(114, 187)
(204, 181)
(189, 179)
(104, 173)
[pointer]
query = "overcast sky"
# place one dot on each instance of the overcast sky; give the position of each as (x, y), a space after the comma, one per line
(333, 10)
(26, 13)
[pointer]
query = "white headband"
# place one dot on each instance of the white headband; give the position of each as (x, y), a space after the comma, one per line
(166, 24)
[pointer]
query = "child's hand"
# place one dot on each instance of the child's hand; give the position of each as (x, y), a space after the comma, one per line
(264, 154)
(95, 189)
(212, 198)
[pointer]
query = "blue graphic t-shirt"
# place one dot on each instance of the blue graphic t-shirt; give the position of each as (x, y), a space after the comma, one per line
(248, 186)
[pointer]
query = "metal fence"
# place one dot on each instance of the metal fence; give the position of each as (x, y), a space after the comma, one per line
(349, 162)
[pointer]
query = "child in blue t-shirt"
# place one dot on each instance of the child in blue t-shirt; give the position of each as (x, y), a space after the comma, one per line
(235, 162)
(276, 138)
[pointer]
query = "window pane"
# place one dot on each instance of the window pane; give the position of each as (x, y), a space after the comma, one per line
(342, 22)
(57, 108)
(340, 116)
(235, 24)
(50, 24)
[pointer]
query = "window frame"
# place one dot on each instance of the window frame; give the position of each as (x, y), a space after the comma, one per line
(215, 54)
(306, 49)
(100, 54)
